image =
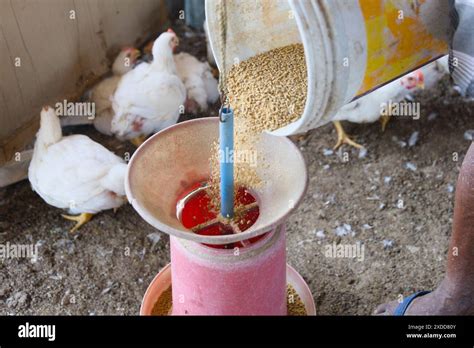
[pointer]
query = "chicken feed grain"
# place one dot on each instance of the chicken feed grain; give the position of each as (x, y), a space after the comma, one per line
(266, 92)
(163, 305)
(295, 306)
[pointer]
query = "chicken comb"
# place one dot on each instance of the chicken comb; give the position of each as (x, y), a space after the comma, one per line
(420, 75)
(170, 31)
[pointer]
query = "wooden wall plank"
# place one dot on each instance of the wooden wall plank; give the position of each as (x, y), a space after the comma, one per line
(59, 54)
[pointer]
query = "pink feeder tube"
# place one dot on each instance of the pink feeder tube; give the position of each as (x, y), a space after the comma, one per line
(208, 281)
(245, 281)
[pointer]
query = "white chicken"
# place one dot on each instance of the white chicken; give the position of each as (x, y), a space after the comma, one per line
(74, 172)
(201, 86)
(435, 71)
(102, 92)
(367, 109)
(198, 78)
(149, 97)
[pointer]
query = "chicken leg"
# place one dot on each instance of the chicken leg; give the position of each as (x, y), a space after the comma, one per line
(343, 138)
(384, 121)
(80, 220)
(138, 140)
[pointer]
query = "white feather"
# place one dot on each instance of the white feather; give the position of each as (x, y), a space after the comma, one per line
(149, 97)
(367, 109)
(74, 172)
(197, 77)
(101, 95)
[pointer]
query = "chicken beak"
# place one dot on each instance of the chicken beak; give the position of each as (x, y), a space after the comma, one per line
(421, 84)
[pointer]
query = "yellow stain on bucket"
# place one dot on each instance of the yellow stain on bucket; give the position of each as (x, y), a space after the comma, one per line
(402, 44)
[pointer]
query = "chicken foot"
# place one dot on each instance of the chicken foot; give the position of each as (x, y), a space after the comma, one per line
(80, 219)
(384, 121)
(343, 138)
(138, 140)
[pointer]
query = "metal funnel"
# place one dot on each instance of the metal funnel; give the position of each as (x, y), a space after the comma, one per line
(177, 157)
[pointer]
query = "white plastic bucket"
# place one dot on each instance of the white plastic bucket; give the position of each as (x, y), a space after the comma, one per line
(351, 47)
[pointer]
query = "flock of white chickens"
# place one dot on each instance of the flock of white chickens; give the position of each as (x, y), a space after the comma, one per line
(82, 176)
(79, 175)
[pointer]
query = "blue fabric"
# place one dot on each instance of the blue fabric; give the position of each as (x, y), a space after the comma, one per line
(194, 12)
(402, 307)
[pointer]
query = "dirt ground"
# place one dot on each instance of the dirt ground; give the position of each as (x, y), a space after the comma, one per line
(401, 216)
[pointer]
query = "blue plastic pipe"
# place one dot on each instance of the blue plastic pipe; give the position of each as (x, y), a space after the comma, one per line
(226, 147)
